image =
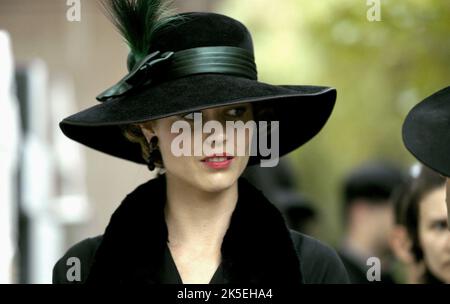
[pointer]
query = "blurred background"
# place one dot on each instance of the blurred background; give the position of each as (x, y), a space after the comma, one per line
(55, 192)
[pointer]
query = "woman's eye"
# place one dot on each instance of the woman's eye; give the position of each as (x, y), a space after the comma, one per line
(236, 112)
(440, 225)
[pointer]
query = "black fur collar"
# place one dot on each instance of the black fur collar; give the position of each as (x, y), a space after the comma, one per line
(257, 247)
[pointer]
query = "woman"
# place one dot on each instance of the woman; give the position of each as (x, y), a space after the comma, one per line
(198, 221)
(425, 134)
(423, 211)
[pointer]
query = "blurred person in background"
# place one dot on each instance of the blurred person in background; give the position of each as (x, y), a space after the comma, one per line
(426, 134)
(401, 244)
(298, 211)
(279, 185)
(368, 208)
(423, 211)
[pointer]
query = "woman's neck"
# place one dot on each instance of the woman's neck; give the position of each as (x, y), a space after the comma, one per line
(195, 217)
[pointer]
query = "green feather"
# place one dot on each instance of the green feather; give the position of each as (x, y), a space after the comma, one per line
(138, 21)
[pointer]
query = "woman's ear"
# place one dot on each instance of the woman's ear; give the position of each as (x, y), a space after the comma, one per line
(148, 130)
(401, 244)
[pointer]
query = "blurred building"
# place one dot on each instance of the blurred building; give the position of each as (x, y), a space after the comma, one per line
(65, 192)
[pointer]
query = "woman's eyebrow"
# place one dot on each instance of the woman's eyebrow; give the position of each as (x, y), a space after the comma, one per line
(236, 106)
(438, 220)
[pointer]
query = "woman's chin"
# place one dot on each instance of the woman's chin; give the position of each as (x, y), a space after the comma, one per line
(218, 181)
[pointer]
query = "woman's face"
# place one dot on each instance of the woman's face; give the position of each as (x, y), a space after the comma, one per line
(197, 170)
(434, 236)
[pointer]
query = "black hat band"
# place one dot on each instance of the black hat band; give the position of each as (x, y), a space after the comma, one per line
(170, 65)
(221, 59)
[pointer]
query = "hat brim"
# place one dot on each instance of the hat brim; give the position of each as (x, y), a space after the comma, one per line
(426, 131)
(302, 111)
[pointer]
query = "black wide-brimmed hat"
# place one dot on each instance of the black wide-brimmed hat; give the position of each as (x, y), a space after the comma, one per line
(188, 62)
(426, 131)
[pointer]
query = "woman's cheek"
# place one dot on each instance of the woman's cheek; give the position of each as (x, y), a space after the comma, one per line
(431, 249)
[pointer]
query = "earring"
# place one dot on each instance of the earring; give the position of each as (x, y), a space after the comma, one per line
(153, 150)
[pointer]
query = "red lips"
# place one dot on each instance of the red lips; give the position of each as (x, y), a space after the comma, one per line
(218, 161)
(228, 156)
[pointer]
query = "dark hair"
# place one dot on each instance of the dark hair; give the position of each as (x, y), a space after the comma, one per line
(374, 181)
(407, 207)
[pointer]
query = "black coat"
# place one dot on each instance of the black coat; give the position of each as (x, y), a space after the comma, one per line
(257, 248)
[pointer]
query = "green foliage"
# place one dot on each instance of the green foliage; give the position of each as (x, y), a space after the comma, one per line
(380, 69)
